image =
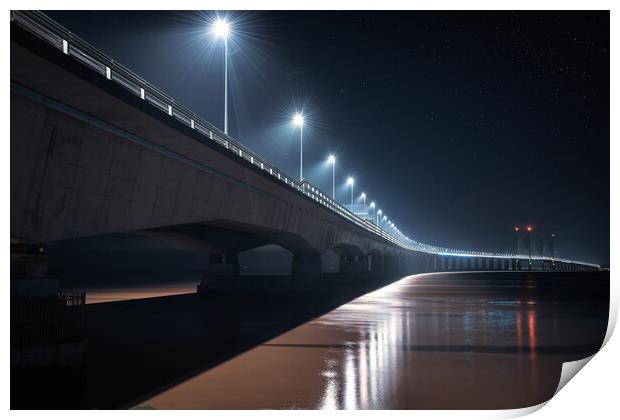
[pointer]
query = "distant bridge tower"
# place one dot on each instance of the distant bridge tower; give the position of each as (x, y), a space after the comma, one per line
(529, 229)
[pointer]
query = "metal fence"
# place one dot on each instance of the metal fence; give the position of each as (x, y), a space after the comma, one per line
(47, 320)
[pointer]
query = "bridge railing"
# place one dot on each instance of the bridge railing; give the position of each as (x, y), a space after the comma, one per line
(61, 38)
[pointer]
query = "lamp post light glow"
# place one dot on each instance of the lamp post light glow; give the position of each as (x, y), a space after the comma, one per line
(384, 220)
(372, 206)
(298, 120)
(363, 196)
(379, 213)
(221, 28)
(332, 159)
(351, 182)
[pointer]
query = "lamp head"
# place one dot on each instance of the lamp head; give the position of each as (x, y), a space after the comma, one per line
(298, 120)
(221, 28)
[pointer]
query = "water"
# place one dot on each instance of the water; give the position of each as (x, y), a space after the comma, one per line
(448, 341)
(139, 291)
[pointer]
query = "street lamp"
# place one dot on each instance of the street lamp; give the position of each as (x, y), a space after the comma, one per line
(363, 196)
(529, 246)
(553, 251)
(384, 220)
(372, 206)
(351, 182)
(221, 28)
(379, 213)
(298, 120)
(332, 159)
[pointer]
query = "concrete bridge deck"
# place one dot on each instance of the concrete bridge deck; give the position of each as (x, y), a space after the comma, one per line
(96, 150)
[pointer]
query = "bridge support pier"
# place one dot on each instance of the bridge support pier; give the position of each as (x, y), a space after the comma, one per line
(29, 277)
(39, 304)
(354, 265)
(28, 261)
(390, 266)
(377, 266)
(306, 266)
(222, 267)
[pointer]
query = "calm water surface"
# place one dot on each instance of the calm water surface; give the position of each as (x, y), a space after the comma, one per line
(140, 291)
(460, 340)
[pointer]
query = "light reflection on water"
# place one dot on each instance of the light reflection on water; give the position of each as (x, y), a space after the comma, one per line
(413, 344)
(116, 293)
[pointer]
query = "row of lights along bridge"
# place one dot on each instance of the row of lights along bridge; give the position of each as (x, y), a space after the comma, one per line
(221, 28)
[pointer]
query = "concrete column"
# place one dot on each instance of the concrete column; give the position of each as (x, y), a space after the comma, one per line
(29, 274)
(223, 265)
(307, 266)
(28, 261)
(377, 267)
(392, 265)
(38, 304)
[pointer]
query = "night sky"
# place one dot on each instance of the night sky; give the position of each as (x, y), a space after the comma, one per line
(459, 125)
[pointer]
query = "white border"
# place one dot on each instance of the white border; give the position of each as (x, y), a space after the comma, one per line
(593, 394)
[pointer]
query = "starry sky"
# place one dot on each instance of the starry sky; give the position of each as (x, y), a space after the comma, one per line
(459, 125)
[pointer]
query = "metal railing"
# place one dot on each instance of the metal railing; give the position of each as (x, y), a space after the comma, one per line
(61, 38)
(48, 320)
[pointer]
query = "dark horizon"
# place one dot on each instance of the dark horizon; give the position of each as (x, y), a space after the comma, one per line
(460, 125)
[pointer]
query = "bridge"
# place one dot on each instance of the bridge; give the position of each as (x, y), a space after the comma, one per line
(96, 149)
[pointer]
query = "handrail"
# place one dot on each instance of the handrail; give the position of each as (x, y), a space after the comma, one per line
(61, 38)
